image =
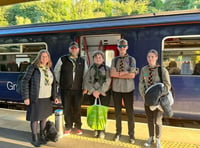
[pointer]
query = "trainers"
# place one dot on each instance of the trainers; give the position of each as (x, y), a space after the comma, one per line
(132, 141)
(101, 135)
(116, 138)
(67, 132)
(158, 144)
(149, 142)
(96, 133)
(79, 132)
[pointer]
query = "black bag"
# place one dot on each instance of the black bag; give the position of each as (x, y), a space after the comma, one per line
(51, 131)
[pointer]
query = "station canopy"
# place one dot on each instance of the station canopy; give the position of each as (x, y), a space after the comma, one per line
(10, 2)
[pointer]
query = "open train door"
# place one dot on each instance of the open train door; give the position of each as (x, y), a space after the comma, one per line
(103, 42)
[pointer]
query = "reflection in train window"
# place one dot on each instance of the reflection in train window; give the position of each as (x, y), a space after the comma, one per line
(181, 54)
(16, 57)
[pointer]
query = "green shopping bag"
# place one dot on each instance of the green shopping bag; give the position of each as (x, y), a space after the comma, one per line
(97, 116)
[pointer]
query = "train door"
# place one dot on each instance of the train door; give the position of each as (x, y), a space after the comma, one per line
(103, 42)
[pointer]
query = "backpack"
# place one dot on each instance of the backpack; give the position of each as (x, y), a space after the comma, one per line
(19, 83)
(51, 131)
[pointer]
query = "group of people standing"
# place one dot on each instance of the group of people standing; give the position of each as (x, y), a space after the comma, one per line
(98, 81)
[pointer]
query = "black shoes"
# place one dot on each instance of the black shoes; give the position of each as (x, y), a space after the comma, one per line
(42, 137)
(35, 140)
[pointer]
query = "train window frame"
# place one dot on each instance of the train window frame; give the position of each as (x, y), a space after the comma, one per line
(22, 56)
(188, 57)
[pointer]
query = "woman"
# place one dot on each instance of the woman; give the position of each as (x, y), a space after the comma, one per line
(149, 75)
(97, 84)
(38, 90)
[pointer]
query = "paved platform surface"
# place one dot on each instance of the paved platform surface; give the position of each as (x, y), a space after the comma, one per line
(15, 133)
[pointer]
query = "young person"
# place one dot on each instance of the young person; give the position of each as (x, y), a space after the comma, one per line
(123, 71)
(97, 84)
(38, 92)
(149, 75)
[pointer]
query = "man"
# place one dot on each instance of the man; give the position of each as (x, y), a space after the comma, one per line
(69, 72)
(123, 71)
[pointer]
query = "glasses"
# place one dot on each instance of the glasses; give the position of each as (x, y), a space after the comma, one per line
(122, 46)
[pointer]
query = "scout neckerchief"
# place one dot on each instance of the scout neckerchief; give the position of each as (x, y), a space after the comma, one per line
(121, 63)
(46, 75)
(150, 79)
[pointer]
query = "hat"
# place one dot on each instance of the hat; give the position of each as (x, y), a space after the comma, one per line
(73, 44)
(95, 53)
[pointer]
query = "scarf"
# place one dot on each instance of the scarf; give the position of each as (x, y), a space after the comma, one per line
(46, 75)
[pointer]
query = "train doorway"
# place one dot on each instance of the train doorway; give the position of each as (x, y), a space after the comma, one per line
(103, 42)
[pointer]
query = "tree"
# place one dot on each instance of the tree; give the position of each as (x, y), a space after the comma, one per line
(155, 6)
(3, 20)
(171, 5)
(23, 11)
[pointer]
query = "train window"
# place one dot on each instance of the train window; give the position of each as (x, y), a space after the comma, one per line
(16, 57)
(181, 54)
(9, 48)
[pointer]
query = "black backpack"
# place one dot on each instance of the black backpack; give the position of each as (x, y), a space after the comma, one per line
(51, 132)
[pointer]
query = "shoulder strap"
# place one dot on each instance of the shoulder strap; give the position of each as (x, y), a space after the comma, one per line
(160, 73)
(130, 60)
(64, 58)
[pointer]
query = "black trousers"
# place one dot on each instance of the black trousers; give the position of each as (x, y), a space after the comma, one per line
(71, 101)
(128, 101)
(154, 119)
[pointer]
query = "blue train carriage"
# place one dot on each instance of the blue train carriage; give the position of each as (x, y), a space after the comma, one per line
(175, 36)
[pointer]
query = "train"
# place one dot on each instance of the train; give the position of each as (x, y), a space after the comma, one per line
(176, 37)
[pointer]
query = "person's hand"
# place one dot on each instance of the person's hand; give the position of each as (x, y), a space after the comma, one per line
(27, 102)
(56, 101)
(85, 91)
(96, 94)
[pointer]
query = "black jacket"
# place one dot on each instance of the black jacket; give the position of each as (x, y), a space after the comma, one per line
(31, 83)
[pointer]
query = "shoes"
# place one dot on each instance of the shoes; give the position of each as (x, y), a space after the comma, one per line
(35, 140)
(116, 137)
(96, 133)
(132, 141)
(79, 132)
(149, 142)
(68, 132)
(158, 144)
(101, 135)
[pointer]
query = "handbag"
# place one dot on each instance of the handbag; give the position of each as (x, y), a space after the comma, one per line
(170, 95)
(97, 116)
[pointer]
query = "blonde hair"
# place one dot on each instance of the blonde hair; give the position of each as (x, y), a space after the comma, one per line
(38, 58)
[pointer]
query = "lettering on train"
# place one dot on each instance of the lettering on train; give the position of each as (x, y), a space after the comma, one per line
(11, 85)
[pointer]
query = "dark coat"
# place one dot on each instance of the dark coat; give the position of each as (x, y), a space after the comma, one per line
(31, 83)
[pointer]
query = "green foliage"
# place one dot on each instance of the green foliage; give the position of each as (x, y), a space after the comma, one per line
(3, 20)
(67, 10)
(176, 5)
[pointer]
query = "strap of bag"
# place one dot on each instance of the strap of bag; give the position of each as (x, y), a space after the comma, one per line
(160, 73)
(95, 101)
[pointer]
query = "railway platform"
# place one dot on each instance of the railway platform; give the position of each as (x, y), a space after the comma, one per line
(15, 133)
